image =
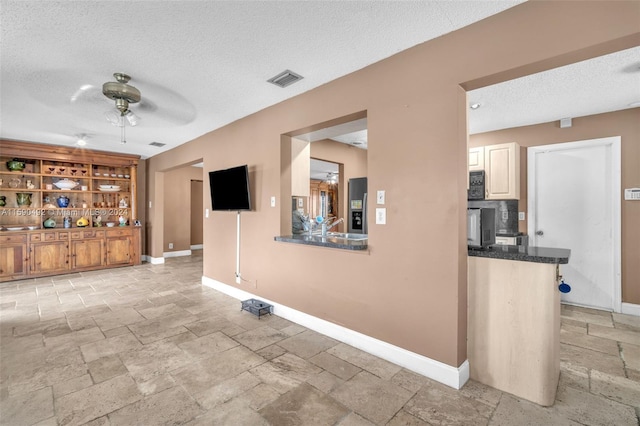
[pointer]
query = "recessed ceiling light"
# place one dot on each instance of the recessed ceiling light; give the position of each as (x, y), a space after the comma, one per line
(474, 106)
(81, 142)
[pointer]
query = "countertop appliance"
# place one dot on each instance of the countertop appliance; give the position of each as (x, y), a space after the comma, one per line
(506, 215)
(481, 227)
(518, 240)
(476, 185)
(358, 206)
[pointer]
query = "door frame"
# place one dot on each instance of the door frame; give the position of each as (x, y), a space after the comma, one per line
(614, 142)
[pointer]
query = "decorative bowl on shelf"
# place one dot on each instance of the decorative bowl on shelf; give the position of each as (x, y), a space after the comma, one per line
(49, 223)
(109, 188)
(23, 198)
(111, 224)
(65, 184)
(14, 228)
(15, 165)
(33, 227)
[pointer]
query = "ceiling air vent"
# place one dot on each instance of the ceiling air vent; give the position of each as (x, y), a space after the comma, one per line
(158, 144)
(285, 78)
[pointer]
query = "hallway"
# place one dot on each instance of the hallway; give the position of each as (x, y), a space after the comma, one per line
(149, 345)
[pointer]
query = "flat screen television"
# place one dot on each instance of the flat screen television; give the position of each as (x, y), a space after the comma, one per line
(230, 189)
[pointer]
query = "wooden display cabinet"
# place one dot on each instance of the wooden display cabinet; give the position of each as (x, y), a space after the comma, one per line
(105, 194)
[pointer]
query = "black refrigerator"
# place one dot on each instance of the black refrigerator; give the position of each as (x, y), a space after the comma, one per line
(358, 206)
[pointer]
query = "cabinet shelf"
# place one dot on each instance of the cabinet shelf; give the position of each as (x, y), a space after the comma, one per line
(46, 165)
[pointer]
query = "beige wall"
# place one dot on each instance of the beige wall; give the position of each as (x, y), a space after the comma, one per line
(177, 207)
(624, 123)
(410, 288)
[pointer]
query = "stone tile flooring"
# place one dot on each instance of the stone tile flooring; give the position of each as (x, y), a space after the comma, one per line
(148, 345)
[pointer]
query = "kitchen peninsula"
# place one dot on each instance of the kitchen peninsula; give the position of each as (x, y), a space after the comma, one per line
(514, 319)
(325, 241)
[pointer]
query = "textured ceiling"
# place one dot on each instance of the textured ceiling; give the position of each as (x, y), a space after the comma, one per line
(199, 64)
(603, 84)
(203, 64)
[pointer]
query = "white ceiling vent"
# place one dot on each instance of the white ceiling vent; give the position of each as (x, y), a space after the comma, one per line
(285, 78)
(158, 144)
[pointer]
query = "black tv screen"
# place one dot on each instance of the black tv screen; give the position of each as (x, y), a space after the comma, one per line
(230, 189)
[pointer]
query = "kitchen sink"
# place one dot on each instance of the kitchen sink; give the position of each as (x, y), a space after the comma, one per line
(348, 236)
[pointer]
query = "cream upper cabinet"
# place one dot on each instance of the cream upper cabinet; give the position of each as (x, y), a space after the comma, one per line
(476, 158)
(501, 164)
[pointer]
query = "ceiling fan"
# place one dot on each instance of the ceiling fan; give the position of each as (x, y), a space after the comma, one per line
(124, 94)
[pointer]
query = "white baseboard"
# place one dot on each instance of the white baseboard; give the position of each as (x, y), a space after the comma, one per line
(155, 260)
(436, 370)
(631, 309)
(177, 253)
(197, 247)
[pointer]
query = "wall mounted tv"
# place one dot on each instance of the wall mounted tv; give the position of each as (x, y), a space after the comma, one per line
(230, 189)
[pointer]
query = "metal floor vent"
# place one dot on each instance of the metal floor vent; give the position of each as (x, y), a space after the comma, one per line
(158, 144)
(285, 78)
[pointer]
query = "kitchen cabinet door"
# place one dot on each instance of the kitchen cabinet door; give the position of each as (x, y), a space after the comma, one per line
(13, 261)
(476, 158)
(119, 250)
(50, 257)
(502, 171)
(87, 253)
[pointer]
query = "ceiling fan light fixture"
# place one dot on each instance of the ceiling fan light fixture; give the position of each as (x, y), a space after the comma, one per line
(132, 118)
(120, 91)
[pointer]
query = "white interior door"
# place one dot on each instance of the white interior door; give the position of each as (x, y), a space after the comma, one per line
(574, 203)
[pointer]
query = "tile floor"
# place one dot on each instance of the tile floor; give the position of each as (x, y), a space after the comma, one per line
(148, 345)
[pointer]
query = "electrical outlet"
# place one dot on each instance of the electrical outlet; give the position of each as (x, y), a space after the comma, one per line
(206, 213)
(381, 216)
(520, 215)
(273, 201)
(170, 245)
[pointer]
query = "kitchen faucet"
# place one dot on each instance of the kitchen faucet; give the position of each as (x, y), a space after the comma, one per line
(335, 222)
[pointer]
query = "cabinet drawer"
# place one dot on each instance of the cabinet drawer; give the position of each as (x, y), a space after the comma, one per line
(63, 235)
(78, 235)
(19, 238)
(119, 232)
(35, 237)
(49, 236)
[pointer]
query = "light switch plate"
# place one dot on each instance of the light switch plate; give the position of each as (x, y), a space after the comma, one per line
(381, 216)
(206, 212)
(380, 197)
(273, 201)
(520, 215)
(300, 202)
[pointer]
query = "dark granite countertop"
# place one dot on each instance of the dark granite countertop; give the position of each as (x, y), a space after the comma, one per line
(524, 253)
(330, 242)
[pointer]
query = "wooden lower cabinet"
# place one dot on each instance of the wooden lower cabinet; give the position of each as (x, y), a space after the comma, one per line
(13, 261)
(51, 252)
(49, 258)
(118, 250)
(87, 253)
